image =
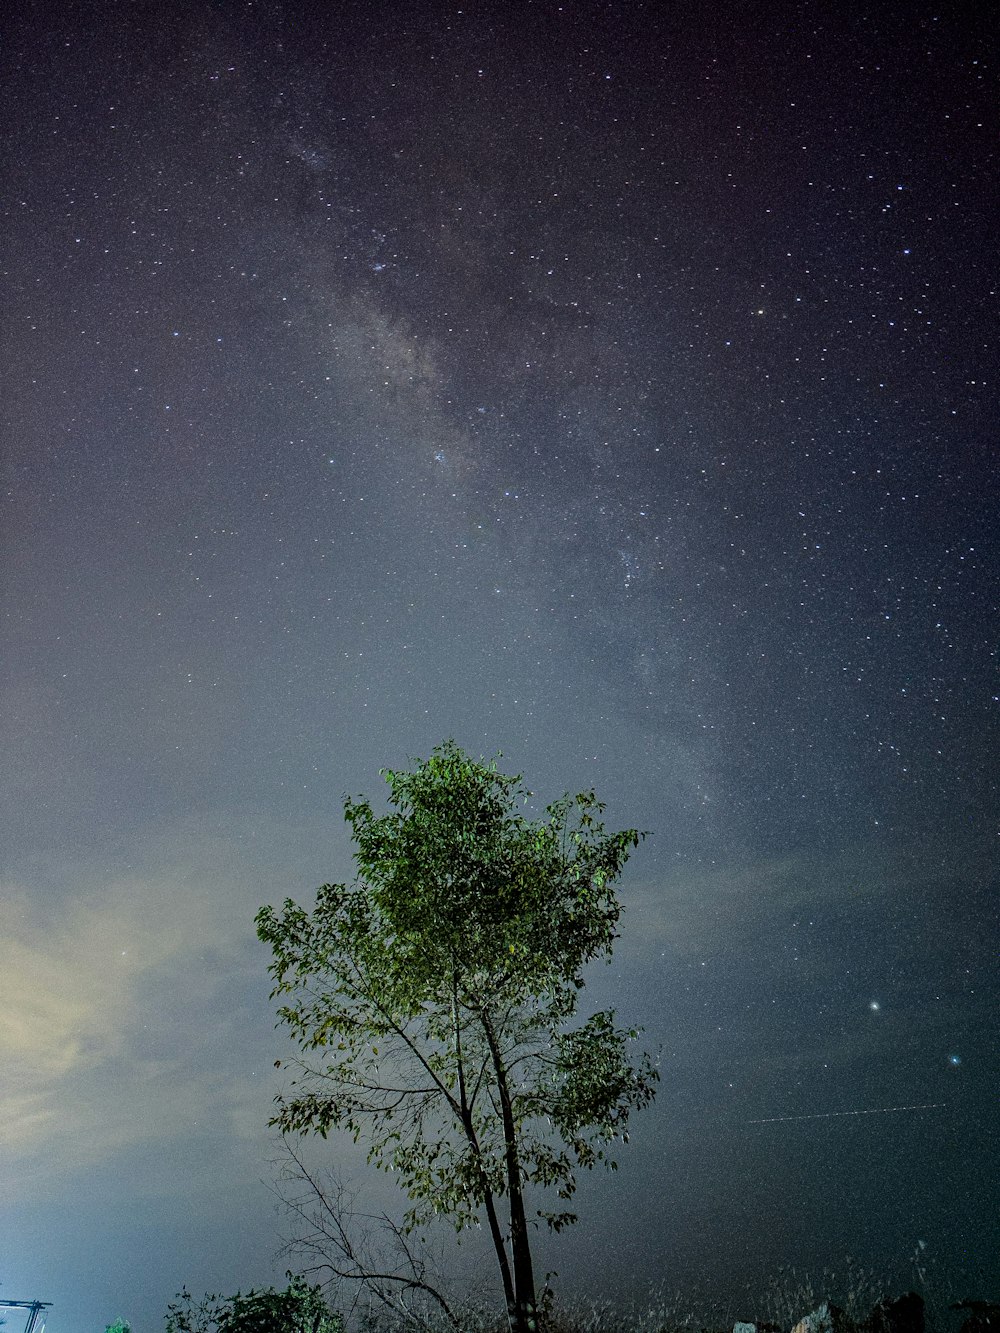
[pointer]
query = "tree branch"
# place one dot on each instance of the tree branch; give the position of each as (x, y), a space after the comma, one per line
(328, 1217)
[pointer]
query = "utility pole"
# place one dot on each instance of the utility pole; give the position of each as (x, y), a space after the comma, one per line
(34, 1309)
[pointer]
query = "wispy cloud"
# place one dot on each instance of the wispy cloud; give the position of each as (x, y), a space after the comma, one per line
(117, 1021)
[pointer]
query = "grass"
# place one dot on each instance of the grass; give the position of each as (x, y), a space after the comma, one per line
(777, 1308)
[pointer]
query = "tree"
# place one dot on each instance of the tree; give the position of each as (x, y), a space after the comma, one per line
(431, 998)
(298, 1309)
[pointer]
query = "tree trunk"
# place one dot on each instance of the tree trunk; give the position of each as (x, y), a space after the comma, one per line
(505, 1275)
(522, 1312)
(470, 1133)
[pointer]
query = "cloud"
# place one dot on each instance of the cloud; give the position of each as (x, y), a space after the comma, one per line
(692, 911)
(118, 1023)
(66, 985)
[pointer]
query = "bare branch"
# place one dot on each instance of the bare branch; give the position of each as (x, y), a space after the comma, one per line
(334, 1243)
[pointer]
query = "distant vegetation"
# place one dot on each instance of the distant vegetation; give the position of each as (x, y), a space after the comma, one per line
(299, 1308)
(858, 1303)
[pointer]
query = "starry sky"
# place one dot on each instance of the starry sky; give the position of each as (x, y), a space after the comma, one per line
(610, 386)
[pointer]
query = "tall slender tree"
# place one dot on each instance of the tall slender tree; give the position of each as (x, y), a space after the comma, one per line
(432, 999)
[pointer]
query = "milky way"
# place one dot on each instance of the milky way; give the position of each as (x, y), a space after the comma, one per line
(606, 386)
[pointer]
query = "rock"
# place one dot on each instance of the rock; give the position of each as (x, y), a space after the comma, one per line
(904, 1315)
(984, 1316)
(824, 1319)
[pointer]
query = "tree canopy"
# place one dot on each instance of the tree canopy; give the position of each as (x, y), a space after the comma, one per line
(431, 1001)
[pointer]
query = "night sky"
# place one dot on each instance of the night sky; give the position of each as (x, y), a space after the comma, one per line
(612, 386)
